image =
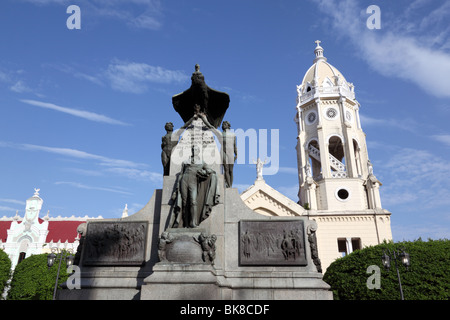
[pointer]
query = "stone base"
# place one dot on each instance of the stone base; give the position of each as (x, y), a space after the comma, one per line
(184, 273)
(181, 282)
(203, 282)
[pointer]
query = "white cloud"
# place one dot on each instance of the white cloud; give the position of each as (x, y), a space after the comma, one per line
(83, 186)
(4, 208)
(392, 53)
(444, 138)
(105, 161)
(137, 174)
(406, 124)
(75, 112)
(149, 14)
(20, 87)
(126, 168)
(415, 176)
(134, 77)
(13, 201)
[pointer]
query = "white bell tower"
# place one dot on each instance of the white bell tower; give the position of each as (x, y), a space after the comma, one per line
(336, 177)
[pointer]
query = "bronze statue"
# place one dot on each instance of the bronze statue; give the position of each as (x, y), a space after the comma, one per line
(196, 192)
(212, 103)
(229, 153)
(208, 245)
(169, 141)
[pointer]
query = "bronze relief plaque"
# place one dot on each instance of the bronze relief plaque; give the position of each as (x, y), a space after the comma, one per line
(272, 243)
(115, 243)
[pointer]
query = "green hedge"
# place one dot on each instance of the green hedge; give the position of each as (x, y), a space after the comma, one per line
(33, 280)
(5, 270)
(428, 277)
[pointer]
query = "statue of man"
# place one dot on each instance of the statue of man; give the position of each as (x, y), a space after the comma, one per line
(169, 141)
(229, 153)
(197, 182)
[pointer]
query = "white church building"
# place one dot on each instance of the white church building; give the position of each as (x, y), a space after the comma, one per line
(23, 237)
(337, 185)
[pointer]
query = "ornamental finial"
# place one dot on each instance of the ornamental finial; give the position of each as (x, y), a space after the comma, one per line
(318, 51)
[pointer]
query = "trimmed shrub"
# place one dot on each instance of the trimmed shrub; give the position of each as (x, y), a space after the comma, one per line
(427, 278)
(5, 270)
(33, 280)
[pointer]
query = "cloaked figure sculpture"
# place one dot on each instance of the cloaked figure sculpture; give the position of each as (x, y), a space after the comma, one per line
(212, 103)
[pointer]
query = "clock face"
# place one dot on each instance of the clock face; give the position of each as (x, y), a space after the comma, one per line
(331, 113)
(311, 117)
(348, 116)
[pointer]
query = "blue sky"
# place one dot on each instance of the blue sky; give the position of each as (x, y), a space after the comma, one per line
(82, 111)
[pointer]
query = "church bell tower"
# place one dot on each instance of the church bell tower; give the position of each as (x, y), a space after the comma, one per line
(336, 180)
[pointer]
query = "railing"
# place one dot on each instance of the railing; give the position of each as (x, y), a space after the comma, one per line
(339, 167)
(327, 90)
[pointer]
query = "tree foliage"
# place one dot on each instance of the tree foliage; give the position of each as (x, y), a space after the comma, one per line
(33, 280)
(428, 277)
(5, 270)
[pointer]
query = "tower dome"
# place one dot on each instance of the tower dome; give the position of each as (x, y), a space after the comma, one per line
(322, 77)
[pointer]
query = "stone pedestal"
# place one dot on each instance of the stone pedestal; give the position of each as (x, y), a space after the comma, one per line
(230, 277)
(249, 256)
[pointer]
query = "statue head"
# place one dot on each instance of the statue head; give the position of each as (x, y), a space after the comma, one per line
(226, 125)
(169, 126)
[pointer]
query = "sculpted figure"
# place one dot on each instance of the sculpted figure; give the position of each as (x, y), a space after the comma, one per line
(169, 141)
(229, 153)
(208, 245)
(212, 103)
(259, 168)
(163, 241)
(196, 192)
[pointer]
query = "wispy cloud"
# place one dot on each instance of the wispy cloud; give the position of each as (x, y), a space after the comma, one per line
(14, 80)
(392, 52)
(134, 77)
(87, 187)
(73, 153)
(129, 169)
(142, 14)
(75, 112)
(137, 174)
(13, 201)
(20, 87)
(444, 138)
(406, 124)
(416, 176)
(8, 209)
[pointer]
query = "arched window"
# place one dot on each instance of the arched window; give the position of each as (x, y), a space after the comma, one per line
(357, 156)
(314, 159)
(337, 157)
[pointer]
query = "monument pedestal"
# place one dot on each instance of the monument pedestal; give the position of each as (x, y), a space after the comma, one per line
(232, 277)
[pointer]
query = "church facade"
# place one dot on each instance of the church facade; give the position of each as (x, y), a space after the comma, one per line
(30, 235)
(337, 186)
